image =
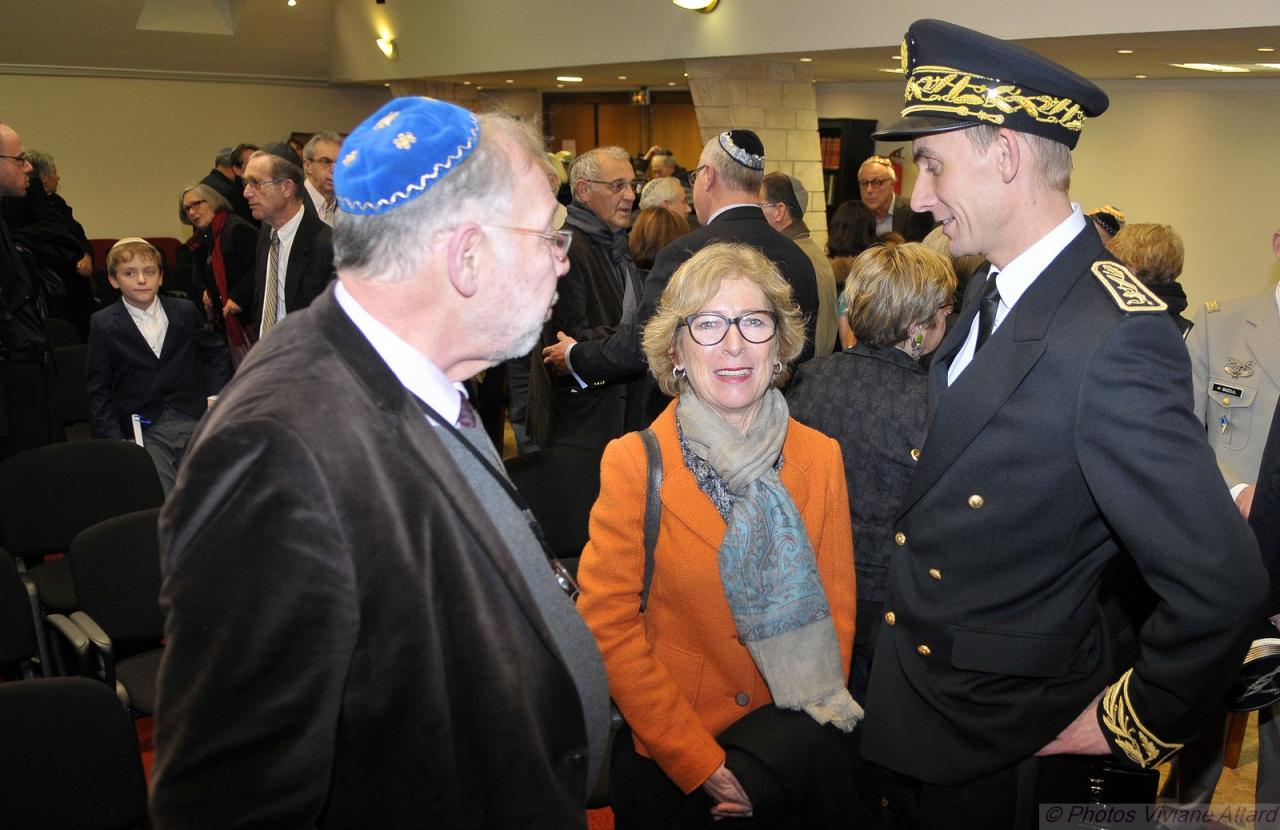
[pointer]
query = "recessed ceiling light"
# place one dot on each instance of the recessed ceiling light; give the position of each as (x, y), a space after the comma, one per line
(559, 86)
(1210, 67)
(897, 70)
(1266, 48)
(466, 83)
(479, 88)
(671, 83)
(622, 77)
(569, 79)
(1124, 51)
(686, 74)
(293, 3)
(1139, 77)
(509, 81)
(806, 60)
(387, 84)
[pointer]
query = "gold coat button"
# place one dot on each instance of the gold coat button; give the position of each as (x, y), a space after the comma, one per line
(923, 650)
(900, 538)
(1226, 402)
(915, 454)
(890, 617)
(976, 501)
(936, 574)
(742, 698)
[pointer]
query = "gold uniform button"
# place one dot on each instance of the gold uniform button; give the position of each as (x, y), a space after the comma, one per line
(923, 650)
(936, 574)
(742, 698)
(1226, 402)
(890, 618)
(976, 501)
(900, 538)
(915, 454)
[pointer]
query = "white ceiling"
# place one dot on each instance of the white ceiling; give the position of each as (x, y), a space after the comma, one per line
(274, 42)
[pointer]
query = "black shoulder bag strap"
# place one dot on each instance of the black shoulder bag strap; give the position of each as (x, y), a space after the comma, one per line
(652, 509)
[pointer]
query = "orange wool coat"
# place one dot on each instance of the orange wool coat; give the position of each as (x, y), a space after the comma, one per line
(678, 672)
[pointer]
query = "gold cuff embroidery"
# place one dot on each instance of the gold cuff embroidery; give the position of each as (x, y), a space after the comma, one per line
(1127, 731)
(945, 90)
(1125, 289)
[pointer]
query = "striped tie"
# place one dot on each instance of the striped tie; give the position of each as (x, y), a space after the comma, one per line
(270, 299)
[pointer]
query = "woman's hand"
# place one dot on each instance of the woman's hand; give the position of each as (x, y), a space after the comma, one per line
(229, 308)
(731, 800)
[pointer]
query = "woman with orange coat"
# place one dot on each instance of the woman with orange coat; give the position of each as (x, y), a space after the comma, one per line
(748, 627)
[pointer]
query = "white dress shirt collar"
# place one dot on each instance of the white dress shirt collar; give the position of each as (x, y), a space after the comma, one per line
(151, 321)
(732, 206)
(410, 366)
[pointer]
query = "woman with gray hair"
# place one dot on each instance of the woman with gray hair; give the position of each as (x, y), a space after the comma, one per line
(223, 252)
(872, 398)
(736, 665)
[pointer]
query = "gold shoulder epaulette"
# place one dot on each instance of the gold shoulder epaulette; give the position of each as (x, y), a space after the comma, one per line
(1212, 306)
(1128, 732)
(1127, 290)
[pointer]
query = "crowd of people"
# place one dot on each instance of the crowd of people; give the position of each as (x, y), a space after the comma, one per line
(855, 557)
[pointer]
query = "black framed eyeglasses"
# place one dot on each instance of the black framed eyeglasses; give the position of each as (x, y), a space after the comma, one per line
(869, 183)
(560, 240)
(615, 186)
(708, 328)
(258, 184)
(187, 208)
(693, 174)
(21, 158)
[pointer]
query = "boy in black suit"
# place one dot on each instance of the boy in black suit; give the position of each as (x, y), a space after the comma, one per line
(150, 356)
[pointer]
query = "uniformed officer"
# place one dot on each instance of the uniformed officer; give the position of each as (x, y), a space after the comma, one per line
(1060, 432)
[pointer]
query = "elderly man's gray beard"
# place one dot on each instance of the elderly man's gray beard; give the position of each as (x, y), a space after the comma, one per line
(528, 339)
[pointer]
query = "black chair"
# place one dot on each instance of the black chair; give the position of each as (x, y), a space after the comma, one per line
(560, 485)
(49, 494)
(71, 758)
(72, 393)
(24, 651)
(115, 569)
(61, 333)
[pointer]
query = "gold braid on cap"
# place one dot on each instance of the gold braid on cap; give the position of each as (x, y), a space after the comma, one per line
(940, 89)
(1128, 733)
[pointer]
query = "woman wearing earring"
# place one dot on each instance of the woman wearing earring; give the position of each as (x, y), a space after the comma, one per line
(732, 679)
(873, 398)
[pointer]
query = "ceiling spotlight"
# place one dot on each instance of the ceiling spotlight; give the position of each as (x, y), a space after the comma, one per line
(806, 60)
(1140, 77)
(466, 83)
(1210, 67)
(1124, 51)
(293, 3)
(671, 83)
(700, 6)
(559, 86)
(622, 77)
(388, 47)
(509, 81)
(569, 79)
(1266, 48)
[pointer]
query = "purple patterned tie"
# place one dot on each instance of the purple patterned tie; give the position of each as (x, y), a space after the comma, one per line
(466, 413)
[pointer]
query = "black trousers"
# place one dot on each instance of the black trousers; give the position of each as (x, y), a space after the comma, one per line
(797, 773)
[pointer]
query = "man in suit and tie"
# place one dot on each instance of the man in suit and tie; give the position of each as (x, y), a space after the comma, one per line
(1060, 435)
(726, 198)
(295, 250)
(150, 356)
(363, 628)
(318, 157)
(876, 178)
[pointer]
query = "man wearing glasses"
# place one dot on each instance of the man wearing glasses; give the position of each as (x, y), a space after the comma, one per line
(27, 415)
(295, 250)
(876, 178)
(363, 628)
(318, 158)
(599, 292)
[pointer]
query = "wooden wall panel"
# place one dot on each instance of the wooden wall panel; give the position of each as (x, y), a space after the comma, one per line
(571, 120)
(675, 125)
(619, 124)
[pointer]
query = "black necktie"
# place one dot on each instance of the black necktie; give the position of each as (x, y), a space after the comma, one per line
(990, 303)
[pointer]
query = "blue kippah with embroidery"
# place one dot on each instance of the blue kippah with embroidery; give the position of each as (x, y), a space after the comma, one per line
(399, 152)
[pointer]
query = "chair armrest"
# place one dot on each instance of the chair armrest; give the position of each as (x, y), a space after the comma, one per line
(75, 639)
(101, 643)
(42, 644)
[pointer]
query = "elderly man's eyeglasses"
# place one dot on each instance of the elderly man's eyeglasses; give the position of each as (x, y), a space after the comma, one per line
(194, 206)
(870, 183)
(560, 240)
(709, 328)
(21, 158)
(322, 161)
(258, 184)
(615, 186)
(693, 174)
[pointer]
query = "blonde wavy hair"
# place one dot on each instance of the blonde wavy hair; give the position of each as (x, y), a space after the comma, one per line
(692, 287)
(890, 287)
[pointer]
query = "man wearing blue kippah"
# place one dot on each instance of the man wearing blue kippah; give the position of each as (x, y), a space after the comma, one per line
(363, 627)
(1060, 439)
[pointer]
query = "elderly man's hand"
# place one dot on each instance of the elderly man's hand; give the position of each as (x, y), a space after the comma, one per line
(1082, 736)
(229, 308)
(554, 355)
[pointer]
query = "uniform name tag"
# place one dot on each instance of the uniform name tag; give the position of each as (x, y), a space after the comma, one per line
(1228, 390)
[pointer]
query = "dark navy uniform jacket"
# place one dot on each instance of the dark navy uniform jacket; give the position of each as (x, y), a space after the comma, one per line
(1068, 438)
